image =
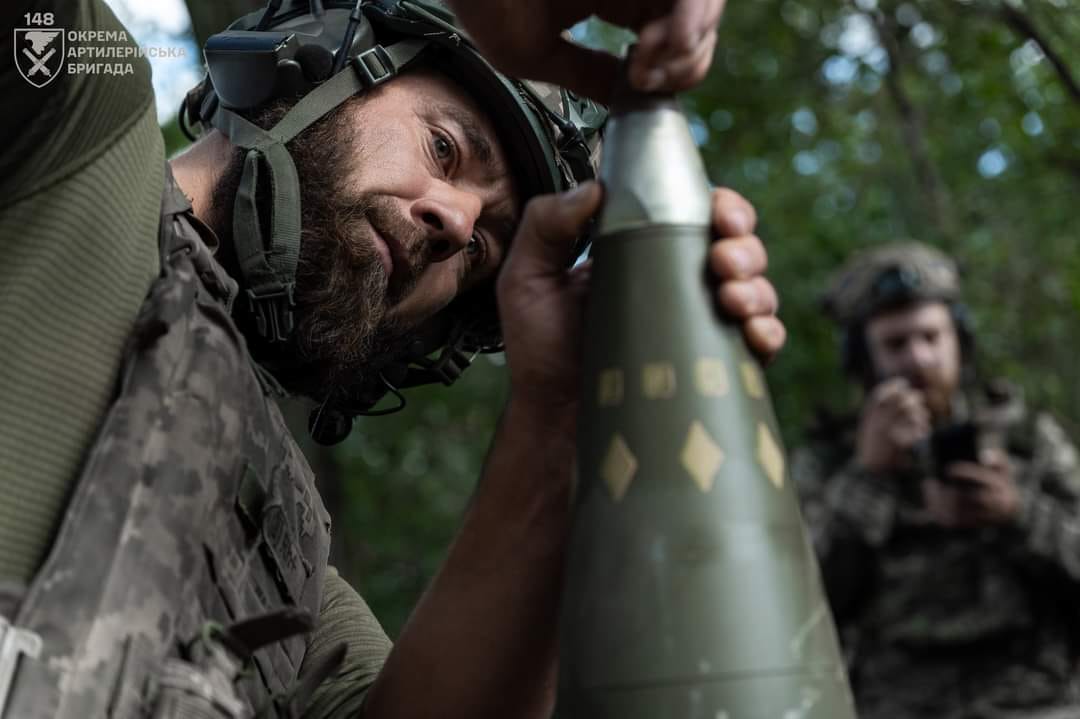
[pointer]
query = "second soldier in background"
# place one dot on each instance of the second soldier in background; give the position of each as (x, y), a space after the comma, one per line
(946, 515)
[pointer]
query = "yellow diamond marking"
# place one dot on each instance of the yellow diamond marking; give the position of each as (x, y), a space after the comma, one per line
(751, 377)
(658, 380)
(610, 387)
(618, 468)
(701, 456)
(710, 376)
(770, 455)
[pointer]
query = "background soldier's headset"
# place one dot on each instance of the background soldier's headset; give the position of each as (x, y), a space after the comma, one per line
(323, 53)
(894, 288)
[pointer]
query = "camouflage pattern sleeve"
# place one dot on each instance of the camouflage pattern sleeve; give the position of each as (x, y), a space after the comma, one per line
(846, 504)
(1050, 499)
(848, 513)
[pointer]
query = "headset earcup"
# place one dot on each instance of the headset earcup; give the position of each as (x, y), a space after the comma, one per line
(965, 328)
(855, 355)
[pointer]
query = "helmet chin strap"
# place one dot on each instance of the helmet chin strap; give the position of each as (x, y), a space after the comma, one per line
(331, 422)
(269, 267)
(284, 52)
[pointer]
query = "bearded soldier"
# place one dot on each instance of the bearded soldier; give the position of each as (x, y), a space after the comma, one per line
(370, 204)
(945, 514)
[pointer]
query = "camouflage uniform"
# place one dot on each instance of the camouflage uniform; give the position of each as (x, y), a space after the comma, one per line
(189, 547)
(950, 623)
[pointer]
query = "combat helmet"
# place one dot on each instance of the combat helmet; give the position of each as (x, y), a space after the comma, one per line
(890, 276)
(323, 52)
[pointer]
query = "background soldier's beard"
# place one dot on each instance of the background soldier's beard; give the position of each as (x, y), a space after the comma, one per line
(938, 396)
(936, 390)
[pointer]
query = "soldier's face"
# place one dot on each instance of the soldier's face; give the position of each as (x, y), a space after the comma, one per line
(441, 207)
(920, 344)
(420, 212)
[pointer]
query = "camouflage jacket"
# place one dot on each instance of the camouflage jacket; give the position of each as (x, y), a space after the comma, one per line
(977, 623)
(192, 555)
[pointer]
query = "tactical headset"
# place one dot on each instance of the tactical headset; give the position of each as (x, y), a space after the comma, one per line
(895, 289)
(322, 53)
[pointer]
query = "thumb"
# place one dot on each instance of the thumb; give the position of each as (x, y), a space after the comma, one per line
(544, 243)
(994, 458)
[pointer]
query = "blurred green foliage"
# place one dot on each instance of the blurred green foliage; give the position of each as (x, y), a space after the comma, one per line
(859, 123)
(846, 124)
(408, 477)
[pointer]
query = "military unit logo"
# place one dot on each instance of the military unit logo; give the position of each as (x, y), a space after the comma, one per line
(39, 54)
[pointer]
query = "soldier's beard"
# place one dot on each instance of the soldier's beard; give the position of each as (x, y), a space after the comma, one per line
(937, 394)
(344, 335)
(341, 297)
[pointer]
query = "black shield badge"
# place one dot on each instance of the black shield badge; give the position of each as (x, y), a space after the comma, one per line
(39, 54)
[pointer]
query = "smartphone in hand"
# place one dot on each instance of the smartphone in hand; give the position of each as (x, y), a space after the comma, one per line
(953, 443)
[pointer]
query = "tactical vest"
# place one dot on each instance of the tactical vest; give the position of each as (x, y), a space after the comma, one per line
(194, 535)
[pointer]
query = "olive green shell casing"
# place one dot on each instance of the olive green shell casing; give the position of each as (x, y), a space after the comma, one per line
(691, 589)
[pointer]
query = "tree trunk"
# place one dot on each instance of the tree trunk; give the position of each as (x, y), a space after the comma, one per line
(213, 16)
(936, 196)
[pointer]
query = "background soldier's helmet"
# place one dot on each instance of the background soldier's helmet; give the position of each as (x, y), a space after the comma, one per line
(889, 277)
(321, 53)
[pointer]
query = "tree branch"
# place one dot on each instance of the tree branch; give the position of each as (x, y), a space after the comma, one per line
(1023, 25)
(913, 128)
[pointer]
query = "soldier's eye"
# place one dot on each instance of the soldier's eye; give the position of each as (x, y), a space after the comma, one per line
(476, 249)
(444, 147)
(474, 245)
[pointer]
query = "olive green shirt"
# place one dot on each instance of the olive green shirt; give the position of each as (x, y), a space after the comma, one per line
(81, 177)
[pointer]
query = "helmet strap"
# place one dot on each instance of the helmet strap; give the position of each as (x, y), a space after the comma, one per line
(269, 268)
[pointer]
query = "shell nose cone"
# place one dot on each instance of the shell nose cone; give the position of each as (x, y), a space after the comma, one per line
(651, 168)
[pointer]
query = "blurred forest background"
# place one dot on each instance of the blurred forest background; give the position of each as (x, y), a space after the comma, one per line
(956, 122)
